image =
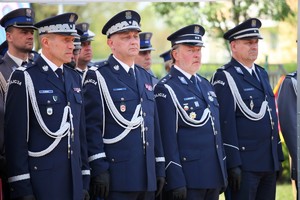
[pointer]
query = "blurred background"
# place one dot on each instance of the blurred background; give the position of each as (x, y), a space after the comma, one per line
(277, 51)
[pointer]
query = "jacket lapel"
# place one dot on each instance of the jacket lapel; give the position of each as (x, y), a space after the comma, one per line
(50, 74)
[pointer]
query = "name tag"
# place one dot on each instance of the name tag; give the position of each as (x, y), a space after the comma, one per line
(119, 89)
(248, 89)
(45, 91)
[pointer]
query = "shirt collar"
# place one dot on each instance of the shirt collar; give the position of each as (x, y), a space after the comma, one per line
(15, 59)
(187, 75)
(247, 68)
(125, 66)
(51, 64)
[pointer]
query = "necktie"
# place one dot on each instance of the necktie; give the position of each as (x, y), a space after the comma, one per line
(59, 73)
(24, 63)
(131, 72)
(254, 75)
(194, 81)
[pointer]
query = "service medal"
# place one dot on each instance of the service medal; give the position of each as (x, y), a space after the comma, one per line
(122, 107)
(186, 107)
(49, 111)
(193, 115)
(251, 104)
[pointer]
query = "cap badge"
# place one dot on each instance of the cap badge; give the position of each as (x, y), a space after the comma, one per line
(147, 36)
(128, 15)
(84, 27)
(253, 23)
(28, 13)
(197, 29)
(72, 18)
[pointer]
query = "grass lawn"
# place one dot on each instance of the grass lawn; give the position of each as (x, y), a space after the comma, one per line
(283, 192)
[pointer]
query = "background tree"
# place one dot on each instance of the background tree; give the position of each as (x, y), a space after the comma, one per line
(218, 17)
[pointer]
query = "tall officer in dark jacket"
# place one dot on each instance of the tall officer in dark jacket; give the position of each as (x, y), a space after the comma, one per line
(19, 30)
(122, 125)
(46, 149)
(287, 112)
(248, 117)
(189, 121)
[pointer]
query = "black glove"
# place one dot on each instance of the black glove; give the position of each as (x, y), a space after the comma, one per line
(160, 184)
(234, 178)
(86, 195)
(28, 197)
(279, 172)
(100, 185)
(179, 193)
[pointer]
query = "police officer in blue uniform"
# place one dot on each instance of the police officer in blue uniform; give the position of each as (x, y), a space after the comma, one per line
(248, 117)
(46, 150)
(123, 134)
(189, 121)
(287, 113)
(19, 28)
(144, 58)
(86, 53)
(166, 56)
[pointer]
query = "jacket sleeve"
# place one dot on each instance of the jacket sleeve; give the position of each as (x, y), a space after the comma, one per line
(167, 116)
(16, 136)
(227, 119)
(94, 123)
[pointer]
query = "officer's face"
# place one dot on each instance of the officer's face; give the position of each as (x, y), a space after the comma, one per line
(144, 59)
(20, 39)
(125, 45)
(86, 53)
(188, 58)
(58, 48)
(245, 51)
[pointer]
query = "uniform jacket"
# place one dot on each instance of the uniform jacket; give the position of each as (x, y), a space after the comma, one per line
(195, 156)
(6, 68)
(253, 145)
(132, 166)
(287, 111)
(54, 175)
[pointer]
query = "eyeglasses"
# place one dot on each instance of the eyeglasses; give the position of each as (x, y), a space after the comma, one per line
(76, 51)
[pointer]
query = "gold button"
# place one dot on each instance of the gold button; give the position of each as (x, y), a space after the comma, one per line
(147, 143)
(243, 148)
(141, 99)
(184, 158)
(48, 101)
(113, 160)
(272, 138)
(35, 167)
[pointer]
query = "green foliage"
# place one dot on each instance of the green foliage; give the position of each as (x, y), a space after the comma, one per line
(217, 17)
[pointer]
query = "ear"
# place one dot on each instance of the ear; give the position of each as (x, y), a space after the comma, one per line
(175, 53)
(45, 41)
(9, 36)
(110, 43)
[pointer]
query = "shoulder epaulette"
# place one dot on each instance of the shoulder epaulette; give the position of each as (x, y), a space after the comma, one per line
(293, 74)
(165, 79)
